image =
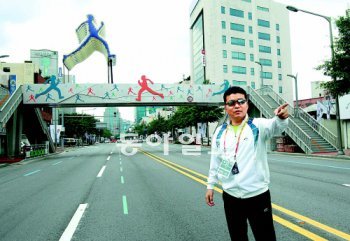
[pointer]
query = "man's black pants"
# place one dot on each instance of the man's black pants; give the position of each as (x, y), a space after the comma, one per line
(257, 210)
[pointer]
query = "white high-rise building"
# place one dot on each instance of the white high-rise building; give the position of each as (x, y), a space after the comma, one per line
(244, 42)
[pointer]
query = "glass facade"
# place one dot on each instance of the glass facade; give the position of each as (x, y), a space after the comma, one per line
(198, 47)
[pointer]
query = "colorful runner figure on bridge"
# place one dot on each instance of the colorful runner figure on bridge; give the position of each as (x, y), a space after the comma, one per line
(53, 86)
(90, 91)
(31, 97)
(77, 98)
(144, 86)
(226, 85)
(49, 97)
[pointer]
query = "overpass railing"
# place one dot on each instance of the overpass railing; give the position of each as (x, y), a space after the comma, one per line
(10, 106)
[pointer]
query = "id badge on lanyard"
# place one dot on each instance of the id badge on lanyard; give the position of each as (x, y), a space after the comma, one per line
(227, 166)
(228, 163)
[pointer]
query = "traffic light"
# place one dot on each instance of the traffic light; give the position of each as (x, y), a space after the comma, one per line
(115, 114)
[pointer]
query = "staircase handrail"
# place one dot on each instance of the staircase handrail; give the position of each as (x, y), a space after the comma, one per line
(279, 99)
(309, 120)
(253, 93)
(293, 129)
(44, 128)
(319, 128)
(10, 106)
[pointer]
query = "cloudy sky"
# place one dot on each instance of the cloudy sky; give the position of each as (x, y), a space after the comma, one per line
(148, 37)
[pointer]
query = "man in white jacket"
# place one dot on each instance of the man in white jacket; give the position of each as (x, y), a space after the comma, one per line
(239, 162)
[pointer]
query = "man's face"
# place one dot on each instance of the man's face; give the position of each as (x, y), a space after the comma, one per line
(236, 110)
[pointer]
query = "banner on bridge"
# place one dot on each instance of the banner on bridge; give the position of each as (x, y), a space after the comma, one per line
(143, 93)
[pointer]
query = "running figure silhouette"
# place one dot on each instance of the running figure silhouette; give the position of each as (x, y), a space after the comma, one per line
(53, 86)
(144, 86)
(226, 85)
(90, 39)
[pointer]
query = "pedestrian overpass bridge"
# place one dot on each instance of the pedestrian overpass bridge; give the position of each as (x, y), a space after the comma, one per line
(142, 94)
(20, 111)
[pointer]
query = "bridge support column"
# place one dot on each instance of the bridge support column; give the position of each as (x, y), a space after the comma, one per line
(14, 128)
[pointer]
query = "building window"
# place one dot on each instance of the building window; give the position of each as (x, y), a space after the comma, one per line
(224, 68)
(224, 54)
(250, 29)
(250, 16)
(238, 41)
(237, 27)
(252, 57)
(278, 40)
(223, 10)
(279, 64)
(278, 52)
(279, 77)
(239, 70)
(262, 9)
(280, 89)
(267, 75)
(265, 62)
(251, 43)
(264, 36)
(236, 13)
(238, 55)
(264, 49)
(277, 27)
(223, 39)
(252, 84)
(263, 23)
(223, 25)
(239, 83)
(248, 1)
(252, 72)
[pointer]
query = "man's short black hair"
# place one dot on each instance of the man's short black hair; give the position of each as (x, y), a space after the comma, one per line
(235, 90)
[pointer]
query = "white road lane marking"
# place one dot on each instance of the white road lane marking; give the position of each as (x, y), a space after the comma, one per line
(101, 171)
(346, 185)
(109, 157)
(73, 224)
(31, 173)
(56, 163)
(121, 169)
(111, 152)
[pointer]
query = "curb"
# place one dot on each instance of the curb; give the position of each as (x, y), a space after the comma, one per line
(343, 157)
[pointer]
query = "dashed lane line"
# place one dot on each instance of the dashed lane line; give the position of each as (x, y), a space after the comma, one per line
(31, 173)
(101, 171)
(73, 224)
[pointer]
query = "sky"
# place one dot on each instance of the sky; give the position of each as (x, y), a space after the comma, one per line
(148, 37)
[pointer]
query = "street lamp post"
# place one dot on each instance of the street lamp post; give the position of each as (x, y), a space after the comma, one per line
(261, 74)
(329, 20)
(296, 109)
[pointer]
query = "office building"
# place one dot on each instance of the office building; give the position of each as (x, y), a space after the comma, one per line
(244, 42)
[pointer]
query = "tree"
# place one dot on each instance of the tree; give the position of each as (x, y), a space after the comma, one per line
(339, 67)
(76, 125)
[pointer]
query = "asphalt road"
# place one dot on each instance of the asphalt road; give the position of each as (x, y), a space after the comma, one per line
(105, 192)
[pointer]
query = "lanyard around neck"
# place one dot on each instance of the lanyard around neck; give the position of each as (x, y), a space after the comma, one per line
(239, 138)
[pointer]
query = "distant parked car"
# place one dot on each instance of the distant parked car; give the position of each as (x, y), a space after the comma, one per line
(69, 141)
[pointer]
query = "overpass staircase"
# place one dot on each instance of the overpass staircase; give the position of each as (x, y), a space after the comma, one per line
(305, 131)
(8, 106)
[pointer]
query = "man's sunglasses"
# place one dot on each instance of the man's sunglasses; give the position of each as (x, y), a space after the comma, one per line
(234, 102)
